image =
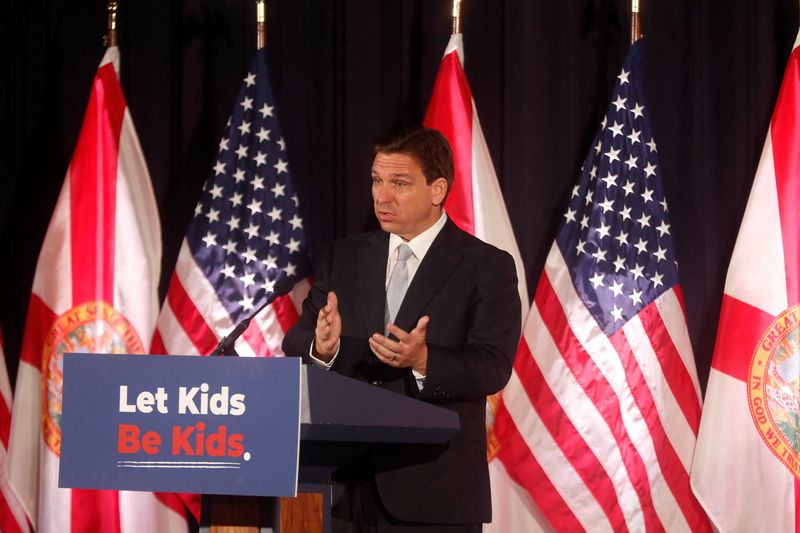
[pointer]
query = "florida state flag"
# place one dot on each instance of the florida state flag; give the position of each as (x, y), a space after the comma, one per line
(95, 290)
(476, 204)
(746, 469)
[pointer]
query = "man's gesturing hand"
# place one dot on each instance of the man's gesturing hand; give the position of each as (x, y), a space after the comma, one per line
(410, 349)
(328, 330)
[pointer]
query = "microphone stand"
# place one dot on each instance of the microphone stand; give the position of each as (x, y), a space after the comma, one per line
(225, 346)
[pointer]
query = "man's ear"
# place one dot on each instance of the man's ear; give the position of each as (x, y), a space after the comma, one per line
(439, 191)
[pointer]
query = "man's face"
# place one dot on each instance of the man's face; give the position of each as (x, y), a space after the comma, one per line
(405, 203)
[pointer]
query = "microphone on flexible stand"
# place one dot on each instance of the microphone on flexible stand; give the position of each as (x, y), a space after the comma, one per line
(225, 346)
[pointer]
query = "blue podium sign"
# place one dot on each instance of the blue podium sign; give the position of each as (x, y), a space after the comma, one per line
(211, 425)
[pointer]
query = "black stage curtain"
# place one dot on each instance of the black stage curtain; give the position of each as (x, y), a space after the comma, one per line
(346, 71)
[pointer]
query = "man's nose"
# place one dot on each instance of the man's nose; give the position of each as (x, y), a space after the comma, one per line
(383, 195)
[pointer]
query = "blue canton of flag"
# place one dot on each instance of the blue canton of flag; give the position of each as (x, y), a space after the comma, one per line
(247, 233)
(615, 236)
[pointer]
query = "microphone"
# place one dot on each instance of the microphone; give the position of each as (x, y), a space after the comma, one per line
(225, 346)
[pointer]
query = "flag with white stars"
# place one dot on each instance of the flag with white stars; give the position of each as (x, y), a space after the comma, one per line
(246, 240)
(615, 236)
(601, 412)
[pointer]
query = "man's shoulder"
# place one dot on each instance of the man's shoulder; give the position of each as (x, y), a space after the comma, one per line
(471, 244)
(356, 242)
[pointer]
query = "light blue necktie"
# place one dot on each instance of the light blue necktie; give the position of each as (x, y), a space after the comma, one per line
(398, 283)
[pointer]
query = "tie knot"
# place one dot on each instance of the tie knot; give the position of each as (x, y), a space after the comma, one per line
(404, 252)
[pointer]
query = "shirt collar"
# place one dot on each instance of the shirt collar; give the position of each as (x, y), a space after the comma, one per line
(422, 242)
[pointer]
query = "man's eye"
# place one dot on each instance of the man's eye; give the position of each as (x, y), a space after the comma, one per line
(401, 184)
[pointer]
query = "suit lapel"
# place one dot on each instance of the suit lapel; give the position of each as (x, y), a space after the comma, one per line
(439, 262)
(372, 260)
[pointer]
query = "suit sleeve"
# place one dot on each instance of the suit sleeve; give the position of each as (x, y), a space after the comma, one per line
(298, 339)
(353, 350)
(483, 365)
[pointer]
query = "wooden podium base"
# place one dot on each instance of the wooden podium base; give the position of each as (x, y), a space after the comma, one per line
(309, 512)
(234, 514)
(301, 514)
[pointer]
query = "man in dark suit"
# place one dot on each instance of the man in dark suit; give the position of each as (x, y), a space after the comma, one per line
(426, 310)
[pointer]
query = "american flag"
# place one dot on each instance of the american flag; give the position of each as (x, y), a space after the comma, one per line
(600, 417)
(12, 515)
(246, 240)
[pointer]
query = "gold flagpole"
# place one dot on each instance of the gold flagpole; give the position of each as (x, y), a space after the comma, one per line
(111, 37)
(456, 16)
(636, 27)
(261, 24)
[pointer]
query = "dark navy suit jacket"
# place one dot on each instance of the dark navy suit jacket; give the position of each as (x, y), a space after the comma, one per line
(469, 290)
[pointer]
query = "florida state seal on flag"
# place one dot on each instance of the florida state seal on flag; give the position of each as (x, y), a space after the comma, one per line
(772, 384)
(91, 327)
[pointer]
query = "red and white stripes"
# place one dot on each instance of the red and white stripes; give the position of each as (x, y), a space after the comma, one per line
(12, 515)
(193, 318)
(593, 425)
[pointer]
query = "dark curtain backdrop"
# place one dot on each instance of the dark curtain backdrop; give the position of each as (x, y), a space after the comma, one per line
(346, 71)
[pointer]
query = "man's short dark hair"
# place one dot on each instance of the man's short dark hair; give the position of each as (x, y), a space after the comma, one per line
(428, 146)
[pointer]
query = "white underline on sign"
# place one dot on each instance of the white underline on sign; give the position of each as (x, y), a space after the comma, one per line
(178, 464)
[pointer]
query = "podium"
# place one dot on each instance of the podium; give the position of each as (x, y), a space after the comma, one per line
(339, 419)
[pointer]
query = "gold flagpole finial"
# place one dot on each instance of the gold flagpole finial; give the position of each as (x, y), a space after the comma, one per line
(261, 24)
(636, 27)
(456, 16)
(110, 38)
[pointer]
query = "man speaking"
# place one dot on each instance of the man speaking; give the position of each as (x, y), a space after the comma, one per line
(426, 310)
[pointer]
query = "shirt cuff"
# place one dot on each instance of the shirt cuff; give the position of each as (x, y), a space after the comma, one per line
(419, 377)
(319, 362)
